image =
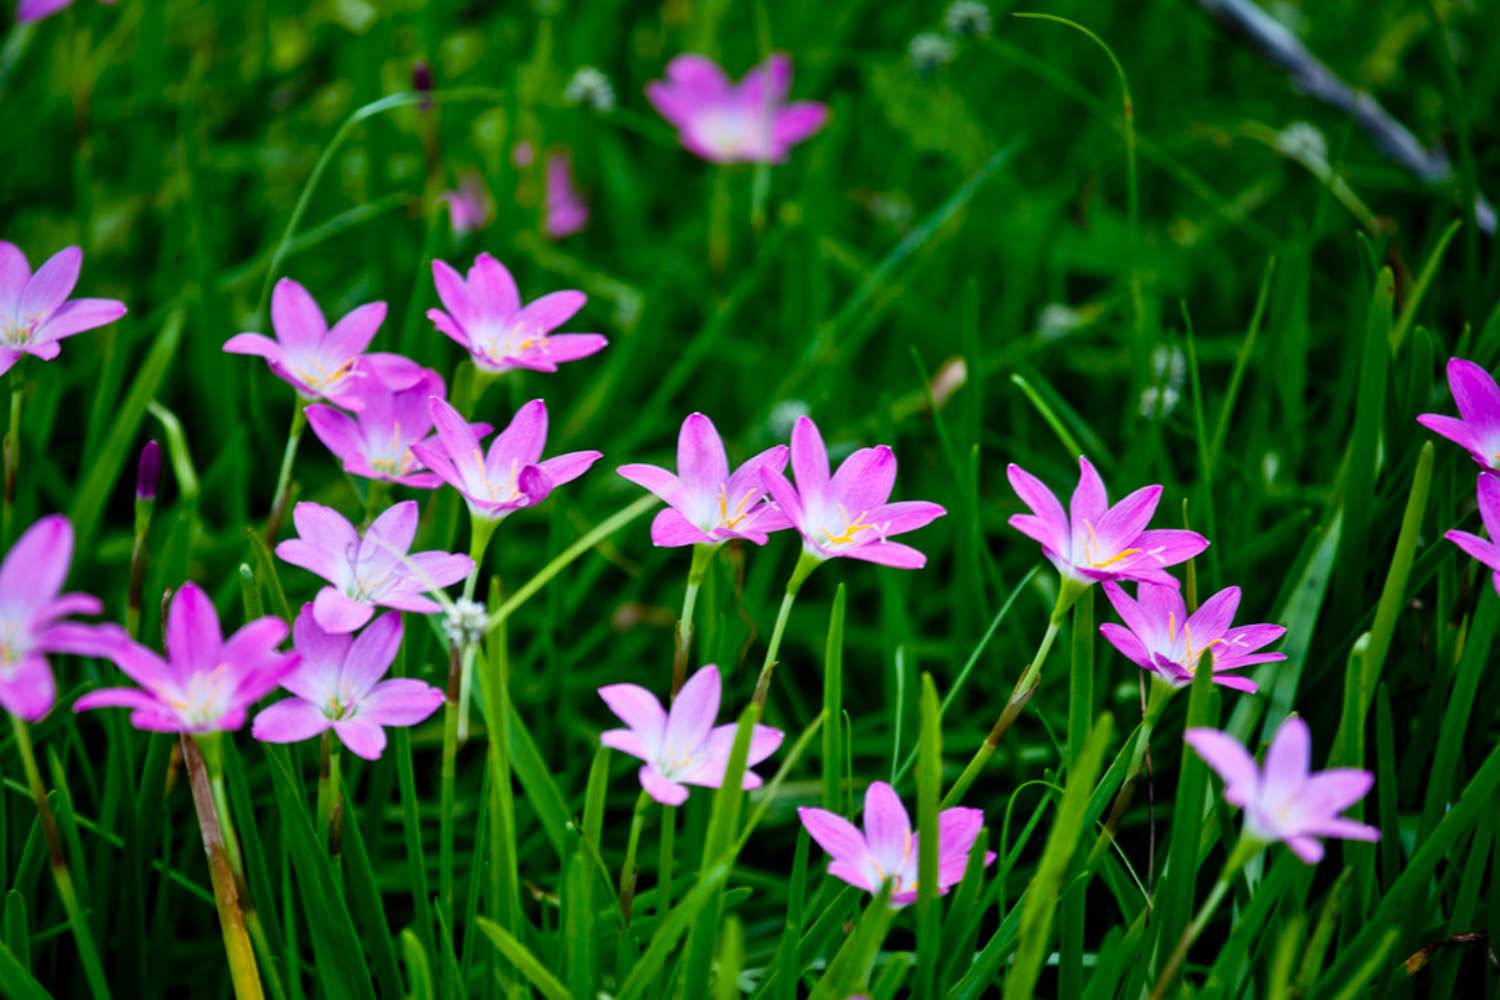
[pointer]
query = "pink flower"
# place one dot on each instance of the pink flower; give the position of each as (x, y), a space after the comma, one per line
(1095, 541)
(888, 848)
(1478, 426)
(724, 122)
(710, 505)
(485, 316)
(1161, 637)
(376, 441)
(35, 312)
(847, 514)
(1486, 550)
(566, 211)
(469, 208)
(338, 686)
(318, 362)
(207, 683)
(681, 746)
(1284, 801)
(513, 475)
(32, 613)
(369, 571)
(35, 10)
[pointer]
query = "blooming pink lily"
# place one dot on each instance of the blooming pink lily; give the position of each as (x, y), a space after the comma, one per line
(370, 570)
(725, 122)
(32, 613)
(1486, 550)
(708, 503)
(206, 683)
(566, 211)
(1283, 800)
(1161, 637)
(1094, 541)
(847, 514)
(35, 10)
(484, 315)
(338, 686)
(887, 848)
(35, 312)
(513, 475)
(1477, 427)
(376, 441)
(681, 746)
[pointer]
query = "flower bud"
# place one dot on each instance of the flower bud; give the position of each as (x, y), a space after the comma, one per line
(148, 473)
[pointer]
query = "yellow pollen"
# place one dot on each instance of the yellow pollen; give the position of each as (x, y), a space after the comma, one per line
(851, 528)
(741, 510)
(1088, 551)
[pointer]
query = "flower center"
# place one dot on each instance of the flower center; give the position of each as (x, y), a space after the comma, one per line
(16, 335)
(15, 643)
(1190, 654)
(853, 527)
(321, 379)
(1095, 559)
(729, 517)
(337, 710)
(206, 698)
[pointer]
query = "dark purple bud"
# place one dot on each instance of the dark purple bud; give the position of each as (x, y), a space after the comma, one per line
(421, 82)
(148, 473)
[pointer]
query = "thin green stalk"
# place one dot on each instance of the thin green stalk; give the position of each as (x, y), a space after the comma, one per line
(703, 555)
(806, 563)
(330, 800)
(665, 858)
(718, 221)
(1243, 852)
(88, 954)
(503, 877)
(12, 461)
(481, 530)
(628, 870)
(446, 776)
(284, 477)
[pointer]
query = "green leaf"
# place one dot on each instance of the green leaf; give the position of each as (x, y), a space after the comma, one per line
(15, 982)
(525, 962)
(833, 707)
(929, 791)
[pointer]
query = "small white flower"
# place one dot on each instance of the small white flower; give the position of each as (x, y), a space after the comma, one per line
(590, 88)
(1168, 365)
(967, 19)
(928, 52)
(466, 622)
(1159, 400)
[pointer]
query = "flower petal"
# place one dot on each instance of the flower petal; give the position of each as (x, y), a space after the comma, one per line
(290, 720)
(51, 285)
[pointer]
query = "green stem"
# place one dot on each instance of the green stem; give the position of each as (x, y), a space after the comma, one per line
(481, 530)
(445, 780)
(806, 563)
(628, 869)
(1243, 852)
(61, 875)
(12, 461)
(284, 478)
(665, 858)
(330, 800)
(702, 556)
(504, 881)
(718, 222)
(377, 497)
(133, 595)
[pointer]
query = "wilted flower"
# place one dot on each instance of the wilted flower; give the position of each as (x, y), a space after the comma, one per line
(847, 514)
(1284, 801)
(206, 683)
(590, 88)
(929, 52)
(35, 312)
(1487, 551)
(369, 571)
(967, 19)
(1095, 541)
(566, 211)
(888, 848)
(485, 316)
(681, 746)
(1478, 425)
(1161, 637)
(337, 685)
(708, 504)
(725, 122)
(32, 613)
(470, 207)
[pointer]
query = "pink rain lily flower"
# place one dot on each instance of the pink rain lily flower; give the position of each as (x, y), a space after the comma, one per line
(323, 363)
(376, 441)
(847, 514)
(32, 613)
(566, 211)
(887, 848)
(708, 503)
(1477, 427)
(1161, 637)
(681, 746)
(35, 10)
(370, 570)
(206, 683)
(338, 686)
(1486, 550)
(484, 315)
(1094, 541)
(513, 475)
(470, 207)
(35, 312)
(725, 122)
(1283, 801)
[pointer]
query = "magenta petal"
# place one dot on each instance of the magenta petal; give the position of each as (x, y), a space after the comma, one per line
(1230, 759)
(15, 272)
(702, 465)
(887, 827)
(551, 311)
(836, 835)
(29, 691)
(638, 709)
(79, 315)
(903, 516)
(693, 713)
(352, 334)
(809, 462)
(1474, 391)
(564, 347)
(1454, 430)
(1487, 493)
(290, 720)
(454, 294)
(1051, 524)
(296, 318)
(492, 290)
(1288, 756)
(892, 554)
(668, 793)
(784, 494)
(669, 529)
(35, 567)
(364, 738)
(656, 479)
(194, 639)
(626, 741)
(1213, 616)
(1090, 502)
(338, 613)
(1125, 521)
(565, 468)
(400, 701)
(1126, 642)
(864, 481)
(796, 122)
(52, 283)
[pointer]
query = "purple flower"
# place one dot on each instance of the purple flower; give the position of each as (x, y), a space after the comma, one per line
(1161, 637)
(847, 514)
(1478, 425)
(318, 362)
(513, 475)
(1284, 801)
(1095, 541)
(32, 612)
(566, 211)
(35, 10)
(369, 571)
(35, 312)
(888, 848)
(485, 316)
(338, 686)
(148, 472)
(709, 504)
(681, 746)
(206, 683)
(376, 441)
(724, 122)
(1486, 550)
(469, 208)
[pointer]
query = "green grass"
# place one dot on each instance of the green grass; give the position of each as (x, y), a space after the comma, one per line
(1167, 293)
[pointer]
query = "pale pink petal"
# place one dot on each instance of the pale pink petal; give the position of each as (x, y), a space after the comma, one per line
(1306, 848)
(255, 344)
(315, 559)
(395, 529)
(1229, 759)
(693, 713)
(29, 691)
(887, 827)
(1090, 502)
(809, 463)
(892, 554)
(1287, 759)
(194, 639)
(290, 720)
(400, 701)
(35, 567)
(51, 285)
(324, 527)
(626, 741)
(364, 738)
(77, 316)
(567, 467)
(669, 529)
(864, 480)
(656, 479)
(337, 613)
(296, 318)
(1051, 524)
(836, 835)
(369, 657)
(702, 465)
(668, 793)
(492, 290)
(14, 273)
(638, 709)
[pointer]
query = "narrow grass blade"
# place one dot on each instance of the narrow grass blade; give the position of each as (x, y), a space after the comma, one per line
(525, 962)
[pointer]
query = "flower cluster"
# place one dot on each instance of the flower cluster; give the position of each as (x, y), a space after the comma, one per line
(1477, 430)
